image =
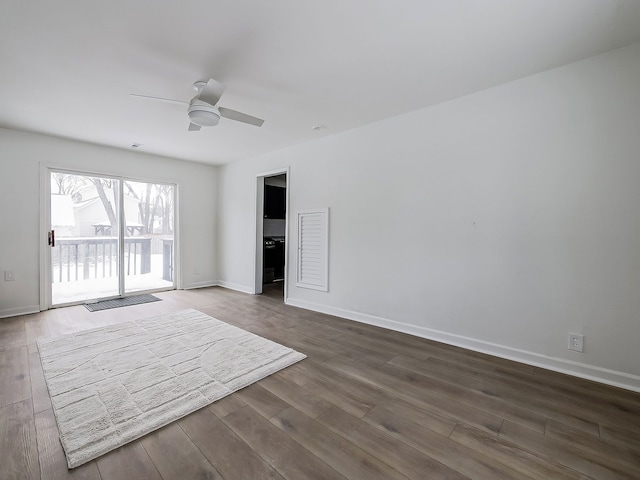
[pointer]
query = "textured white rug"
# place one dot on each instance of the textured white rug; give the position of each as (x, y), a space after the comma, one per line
(112, 385)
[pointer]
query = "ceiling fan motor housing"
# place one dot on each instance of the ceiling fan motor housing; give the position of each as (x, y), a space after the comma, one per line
(203, 114)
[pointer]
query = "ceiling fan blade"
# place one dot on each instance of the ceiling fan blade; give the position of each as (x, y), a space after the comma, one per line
(211, 92)
(240, 117)
(166, 100)
(193, 127)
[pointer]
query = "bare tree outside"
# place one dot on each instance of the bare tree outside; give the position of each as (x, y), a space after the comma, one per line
(155, 207)
(108, 206)
(87, 258)
(65, 184)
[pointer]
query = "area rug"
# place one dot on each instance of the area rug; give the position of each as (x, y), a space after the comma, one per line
(120, 302)
(114, 384)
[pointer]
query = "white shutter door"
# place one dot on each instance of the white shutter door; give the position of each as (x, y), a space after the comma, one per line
(313, 249)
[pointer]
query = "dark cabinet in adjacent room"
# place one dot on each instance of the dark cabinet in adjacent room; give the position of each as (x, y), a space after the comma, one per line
(274, 202)
(274, 229)
(273, 259)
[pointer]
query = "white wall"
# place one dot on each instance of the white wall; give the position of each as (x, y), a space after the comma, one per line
(499, 221)
(22, 153)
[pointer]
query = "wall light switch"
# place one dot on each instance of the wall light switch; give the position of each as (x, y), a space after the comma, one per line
(9, 276)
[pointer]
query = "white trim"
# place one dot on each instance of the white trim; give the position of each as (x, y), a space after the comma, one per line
(287, 238)
(121, 219)
(234, 286)
(577, 369)
(14, 312)
(45, 222)
(220, 283)
(273, 173)
(258, 253)
(106, 173)
(177, 217)
(191, 286)
(259, 230)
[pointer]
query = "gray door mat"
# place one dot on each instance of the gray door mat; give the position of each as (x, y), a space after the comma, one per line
(121, 302)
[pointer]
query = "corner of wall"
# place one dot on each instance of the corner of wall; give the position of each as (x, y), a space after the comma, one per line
(236, 287)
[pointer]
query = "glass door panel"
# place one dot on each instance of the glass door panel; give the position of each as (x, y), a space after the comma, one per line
(148, 236)
(84, 247)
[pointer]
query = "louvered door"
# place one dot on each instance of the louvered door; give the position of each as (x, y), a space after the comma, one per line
(313, 249)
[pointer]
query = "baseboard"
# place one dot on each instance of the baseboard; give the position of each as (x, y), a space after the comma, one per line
(191, 286)
(577, 369)
(14, 312)
(235, 286)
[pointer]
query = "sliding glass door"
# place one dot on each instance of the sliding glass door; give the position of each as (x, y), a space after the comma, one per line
(108, 237)
(148, 241)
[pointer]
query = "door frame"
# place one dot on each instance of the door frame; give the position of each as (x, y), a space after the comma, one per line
(45, 222)
(259, 230)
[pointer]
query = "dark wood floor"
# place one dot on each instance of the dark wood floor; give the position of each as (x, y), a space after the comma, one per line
(366, 404)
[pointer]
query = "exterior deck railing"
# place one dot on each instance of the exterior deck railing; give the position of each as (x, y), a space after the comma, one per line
(85, 258)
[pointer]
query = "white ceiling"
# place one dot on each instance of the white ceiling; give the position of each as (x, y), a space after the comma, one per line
(67, 67)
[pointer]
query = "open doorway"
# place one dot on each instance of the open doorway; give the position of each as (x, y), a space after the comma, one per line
(271, 234)
(274, 235)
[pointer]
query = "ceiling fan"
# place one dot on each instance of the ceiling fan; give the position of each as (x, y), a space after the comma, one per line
(203, 109)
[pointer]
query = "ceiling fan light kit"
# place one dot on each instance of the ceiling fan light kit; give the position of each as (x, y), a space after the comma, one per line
(203, 114)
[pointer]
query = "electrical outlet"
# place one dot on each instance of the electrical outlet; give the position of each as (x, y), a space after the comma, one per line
(9, 276)
(576, 342)
(196, 271)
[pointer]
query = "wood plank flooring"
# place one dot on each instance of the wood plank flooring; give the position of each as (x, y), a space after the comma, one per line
(367, 403)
